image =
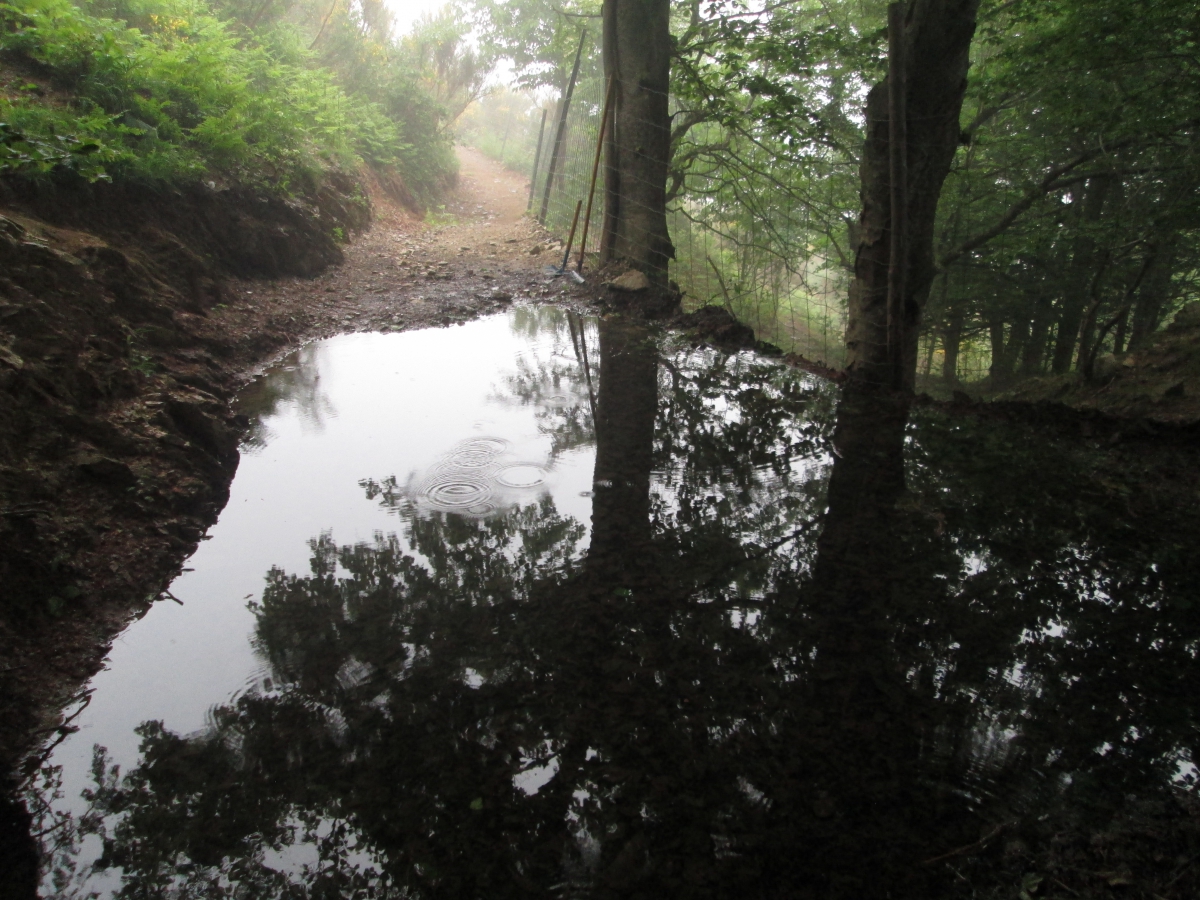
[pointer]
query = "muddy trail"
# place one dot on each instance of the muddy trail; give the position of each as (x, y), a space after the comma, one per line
(474, 255)
(119, 356)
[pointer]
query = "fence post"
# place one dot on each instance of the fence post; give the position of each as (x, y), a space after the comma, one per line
(608, 97)
(537, 158)
(561, 132)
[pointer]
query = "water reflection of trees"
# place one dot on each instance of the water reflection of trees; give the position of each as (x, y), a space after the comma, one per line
(295, 380)
(555, 374)
(710, 701)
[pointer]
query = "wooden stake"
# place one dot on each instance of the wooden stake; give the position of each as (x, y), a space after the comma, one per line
(608, 97)
(560, 134)
(571, 239)
(537, 159)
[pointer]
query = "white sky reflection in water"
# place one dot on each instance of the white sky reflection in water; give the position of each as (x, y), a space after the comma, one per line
(383, 405)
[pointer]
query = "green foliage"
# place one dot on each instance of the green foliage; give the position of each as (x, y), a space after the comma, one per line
(21, 152)
(169, 90)
(1069, 101)
(540, 38)
(768, 104)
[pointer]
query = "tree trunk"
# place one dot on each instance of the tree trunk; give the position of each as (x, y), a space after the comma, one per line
(951, 340)
(1087, 331)
(996, 337)
(1006, 352)
(1083, 260)
(1018, 340)
(1154, 293)
(1121, 332)
(1034, 354)
(637, 55)
(937, 39)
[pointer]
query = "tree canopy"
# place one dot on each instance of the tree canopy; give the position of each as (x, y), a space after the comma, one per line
(1066, 228)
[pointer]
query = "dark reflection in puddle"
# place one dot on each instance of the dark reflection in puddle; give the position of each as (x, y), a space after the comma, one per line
(790, 653)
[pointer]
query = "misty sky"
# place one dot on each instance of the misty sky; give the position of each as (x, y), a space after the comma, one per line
(408, 11)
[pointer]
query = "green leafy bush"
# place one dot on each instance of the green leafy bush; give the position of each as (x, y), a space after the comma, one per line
(165, 90)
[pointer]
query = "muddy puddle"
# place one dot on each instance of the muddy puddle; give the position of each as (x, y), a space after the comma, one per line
(542, 605)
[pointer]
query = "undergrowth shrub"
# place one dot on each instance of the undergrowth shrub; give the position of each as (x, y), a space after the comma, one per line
(167, 91)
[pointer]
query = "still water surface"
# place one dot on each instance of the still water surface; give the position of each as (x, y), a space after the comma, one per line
(546, 606)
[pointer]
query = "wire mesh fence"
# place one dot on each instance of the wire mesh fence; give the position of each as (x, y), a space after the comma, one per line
(763, 262)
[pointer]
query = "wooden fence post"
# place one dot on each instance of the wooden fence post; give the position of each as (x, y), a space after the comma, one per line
(537, 158)
(561, 132)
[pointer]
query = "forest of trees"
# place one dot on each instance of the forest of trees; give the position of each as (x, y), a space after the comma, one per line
(1067, 224)
(798, 651)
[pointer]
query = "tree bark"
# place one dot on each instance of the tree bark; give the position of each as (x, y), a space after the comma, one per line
(996, 337)
(1120, 333)
(1077, 292)
(637, 55)
(951, 341)
(1154, 293)
(1087, 330)
(937, 39)
(1039, 330)
(1006, 352)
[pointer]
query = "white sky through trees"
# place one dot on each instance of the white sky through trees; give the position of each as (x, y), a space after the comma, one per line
(407, 12)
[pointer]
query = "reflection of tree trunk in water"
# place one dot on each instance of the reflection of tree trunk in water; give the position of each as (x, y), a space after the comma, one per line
(855, 555)
(625, 408)
(874, 774)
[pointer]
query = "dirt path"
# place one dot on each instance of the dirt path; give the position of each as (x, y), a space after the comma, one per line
(471, 257)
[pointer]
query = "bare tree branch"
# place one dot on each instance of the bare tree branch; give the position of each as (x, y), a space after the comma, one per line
(1052, 181)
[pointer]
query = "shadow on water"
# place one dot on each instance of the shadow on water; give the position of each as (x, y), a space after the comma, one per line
(794, 655)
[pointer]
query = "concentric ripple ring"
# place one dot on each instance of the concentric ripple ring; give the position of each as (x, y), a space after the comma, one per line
(521, 475)
(455, 492)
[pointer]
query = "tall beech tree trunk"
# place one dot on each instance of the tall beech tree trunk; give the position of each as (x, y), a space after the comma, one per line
(1005, 353)
(1154, 291)
(1079, 276)
(937, 39)
(637, 54)
(951, 342)
(1039, 331)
